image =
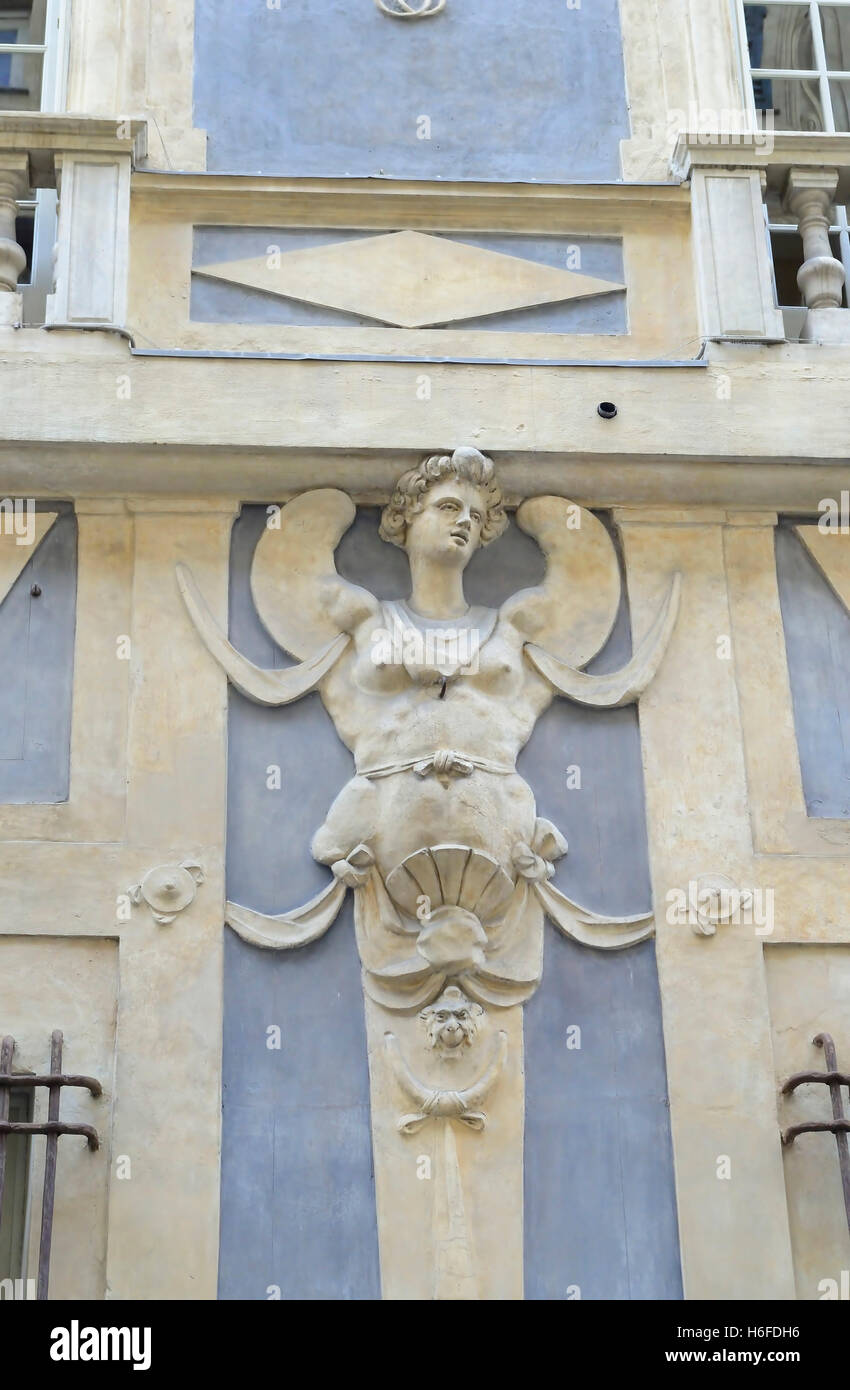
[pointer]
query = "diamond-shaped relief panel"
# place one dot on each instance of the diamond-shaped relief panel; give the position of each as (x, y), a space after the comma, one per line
(410, 279)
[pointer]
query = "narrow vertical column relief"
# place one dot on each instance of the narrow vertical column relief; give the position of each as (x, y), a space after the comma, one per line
(437, 835)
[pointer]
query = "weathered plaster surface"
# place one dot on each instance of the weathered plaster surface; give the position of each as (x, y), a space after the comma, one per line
(536, 95)
(158, 454)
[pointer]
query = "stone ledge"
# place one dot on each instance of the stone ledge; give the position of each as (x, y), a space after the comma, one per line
(775, 152)
(41, 136)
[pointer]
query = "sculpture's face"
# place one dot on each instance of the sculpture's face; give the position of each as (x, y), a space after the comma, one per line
(452, 1022)
(448, 529)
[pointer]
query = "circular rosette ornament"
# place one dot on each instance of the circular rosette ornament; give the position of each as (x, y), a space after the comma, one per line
(453, 891)
(168, 889)
(715, 903)
(410, 9)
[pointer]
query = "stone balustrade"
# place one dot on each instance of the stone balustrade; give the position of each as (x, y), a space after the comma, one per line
(13, 186)
(89, 160)
(810, 195)
(729, 177)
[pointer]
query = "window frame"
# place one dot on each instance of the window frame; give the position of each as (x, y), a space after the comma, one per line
(824, 75)
(19, 22)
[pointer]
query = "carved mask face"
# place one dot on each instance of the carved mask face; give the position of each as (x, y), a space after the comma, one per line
(452, 1021)
(448, 529)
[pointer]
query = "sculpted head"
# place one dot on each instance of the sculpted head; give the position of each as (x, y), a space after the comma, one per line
(451, 1022)
(446, 508)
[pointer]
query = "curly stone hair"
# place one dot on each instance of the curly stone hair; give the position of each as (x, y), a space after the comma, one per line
(409, 493)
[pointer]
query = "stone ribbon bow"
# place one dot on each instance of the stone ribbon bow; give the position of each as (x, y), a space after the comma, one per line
(450, 1105)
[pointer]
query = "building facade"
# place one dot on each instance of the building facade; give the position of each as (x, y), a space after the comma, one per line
(424, 584)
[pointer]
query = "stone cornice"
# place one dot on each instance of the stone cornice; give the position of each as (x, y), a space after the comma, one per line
(42, 136)
(774, 152)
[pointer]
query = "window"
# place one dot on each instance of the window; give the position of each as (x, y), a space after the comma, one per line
(800, 62)
(9, 36)
(799, 65)
(23, 49)
(33, 41)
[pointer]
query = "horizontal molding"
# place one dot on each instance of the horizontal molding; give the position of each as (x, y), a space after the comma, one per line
(774, 152)
(117, 423)
(241, 199)
(41, 136)
(638, 487)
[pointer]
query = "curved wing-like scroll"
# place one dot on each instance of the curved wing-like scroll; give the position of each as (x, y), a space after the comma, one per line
(605, 933)
(569, 617)
(621, 687)
(572, 613)
(302, 601)
(290, 929)
(263, 687)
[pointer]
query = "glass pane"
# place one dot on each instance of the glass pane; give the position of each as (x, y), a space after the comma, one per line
(779, 36)
(6, 36)
(787, 259)
(24, 229)
(840, 93)
(795, 102)
(21, 22)
(836, 36)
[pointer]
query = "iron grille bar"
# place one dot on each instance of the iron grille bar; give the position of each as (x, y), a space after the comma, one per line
(840, 1124)
(21, 1079)
(52, 1128)
(7, 1047)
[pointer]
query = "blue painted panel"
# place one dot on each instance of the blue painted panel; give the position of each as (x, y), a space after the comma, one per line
(604, 820)
(600, 1210)
(515, 90)
(297, 1203)
(600, 1198)
(214, 301)
(297, 1190)
(817, 640)
(304, 1111)
(37, 634)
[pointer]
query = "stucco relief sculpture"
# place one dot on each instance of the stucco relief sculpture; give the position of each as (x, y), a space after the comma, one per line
(437, 834)
(168, 889)
(451, 1022)
(410, 9)
(451, 1026)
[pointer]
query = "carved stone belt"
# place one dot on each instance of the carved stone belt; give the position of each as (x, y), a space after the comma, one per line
(444, 763)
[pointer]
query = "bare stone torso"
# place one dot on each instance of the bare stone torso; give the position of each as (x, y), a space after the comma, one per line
(392, 713)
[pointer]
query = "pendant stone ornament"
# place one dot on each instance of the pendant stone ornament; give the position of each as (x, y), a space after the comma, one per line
(411, 9)
(437, 835)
